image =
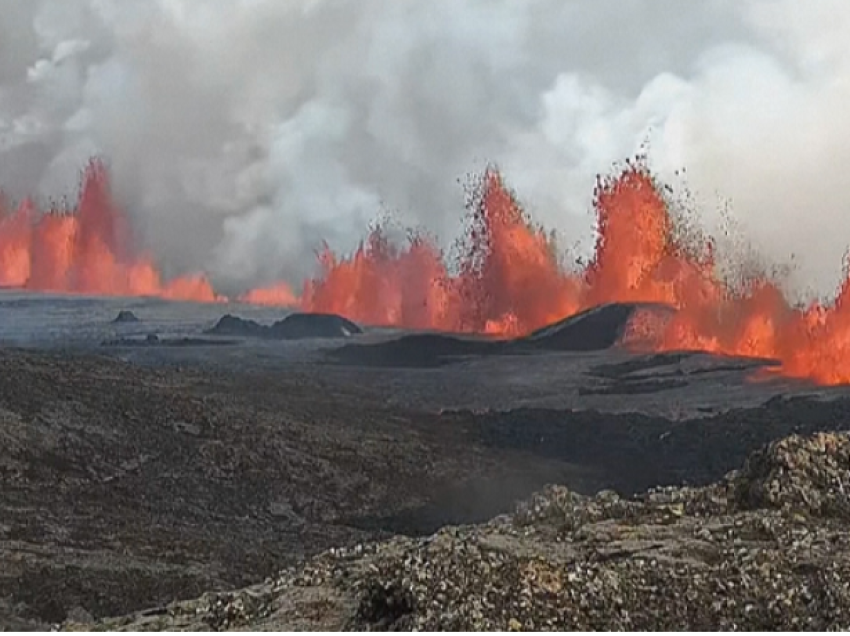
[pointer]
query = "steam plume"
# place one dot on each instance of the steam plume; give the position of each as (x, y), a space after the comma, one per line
(240, 134)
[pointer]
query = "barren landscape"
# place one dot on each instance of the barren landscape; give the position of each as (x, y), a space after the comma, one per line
(138, 472)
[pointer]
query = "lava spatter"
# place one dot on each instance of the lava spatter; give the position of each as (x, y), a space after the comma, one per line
(507, 279)
(86, 249)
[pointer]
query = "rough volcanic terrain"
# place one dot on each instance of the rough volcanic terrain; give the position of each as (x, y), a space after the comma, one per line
(763, 549)
(137, 476)
(127, 486)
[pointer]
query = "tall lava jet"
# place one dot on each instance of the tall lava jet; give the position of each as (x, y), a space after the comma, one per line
(507, 280)
(86, 249)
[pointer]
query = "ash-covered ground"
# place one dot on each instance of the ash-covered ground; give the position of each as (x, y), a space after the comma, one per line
(149, 461)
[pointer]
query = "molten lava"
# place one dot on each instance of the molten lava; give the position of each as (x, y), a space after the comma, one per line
(279, 295)
(507, 281)
(85, 250)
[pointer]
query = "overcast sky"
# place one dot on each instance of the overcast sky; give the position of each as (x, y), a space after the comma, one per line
(241, 133)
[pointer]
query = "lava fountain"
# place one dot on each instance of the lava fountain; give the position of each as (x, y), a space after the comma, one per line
(506, 280)
(509, 282)
(87, 249)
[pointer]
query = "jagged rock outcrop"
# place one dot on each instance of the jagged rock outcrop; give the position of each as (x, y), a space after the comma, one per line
(764, 549)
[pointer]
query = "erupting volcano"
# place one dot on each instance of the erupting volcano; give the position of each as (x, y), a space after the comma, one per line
(510, 282)
(507, 281)
(87, 249)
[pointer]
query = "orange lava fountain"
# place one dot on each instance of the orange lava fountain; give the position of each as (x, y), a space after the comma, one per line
(507, 281)
(85, 250)
(510, 282)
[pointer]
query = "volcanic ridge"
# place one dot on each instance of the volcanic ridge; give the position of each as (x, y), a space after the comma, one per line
(595, 329)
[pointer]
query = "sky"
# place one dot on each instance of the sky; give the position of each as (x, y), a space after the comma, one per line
(241, 134)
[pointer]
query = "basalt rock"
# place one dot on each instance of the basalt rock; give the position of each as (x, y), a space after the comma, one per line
(293, 327)
(230, 325)
(416, 350)
(596, 329)
(802, 475)
(125, 316)
(308, 325)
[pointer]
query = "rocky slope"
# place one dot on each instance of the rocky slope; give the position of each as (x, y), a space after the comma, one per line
(124, 486)
(765, 548)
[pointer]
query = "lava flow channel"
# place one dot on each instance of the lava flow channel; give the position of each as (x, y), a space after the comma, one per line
(507, 280)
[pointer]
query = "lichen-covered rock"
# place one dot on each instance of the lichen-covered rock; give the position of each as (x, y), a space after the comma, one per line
(809, 475)
(726, 557)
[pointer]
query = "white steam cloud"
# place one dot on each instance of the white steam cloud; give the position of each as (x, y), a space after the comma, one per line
(241, 133)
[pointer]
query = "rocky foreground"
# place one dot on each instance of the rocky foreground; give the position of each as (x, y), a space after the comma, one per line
(766, 548)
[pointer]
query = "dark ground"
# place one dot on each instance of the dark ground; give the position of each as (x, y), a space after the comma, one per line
(124, 486)
(764, 549)
(135, 476)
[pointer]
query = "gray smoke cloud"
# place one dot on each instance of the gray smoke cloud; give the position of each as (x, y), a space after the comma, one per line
(242, 133)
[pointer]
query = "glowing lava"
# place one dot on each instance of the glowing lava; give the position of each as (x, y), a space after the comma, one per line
(85, 250)
(507, 280)
(510, 282)
(278, 295)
